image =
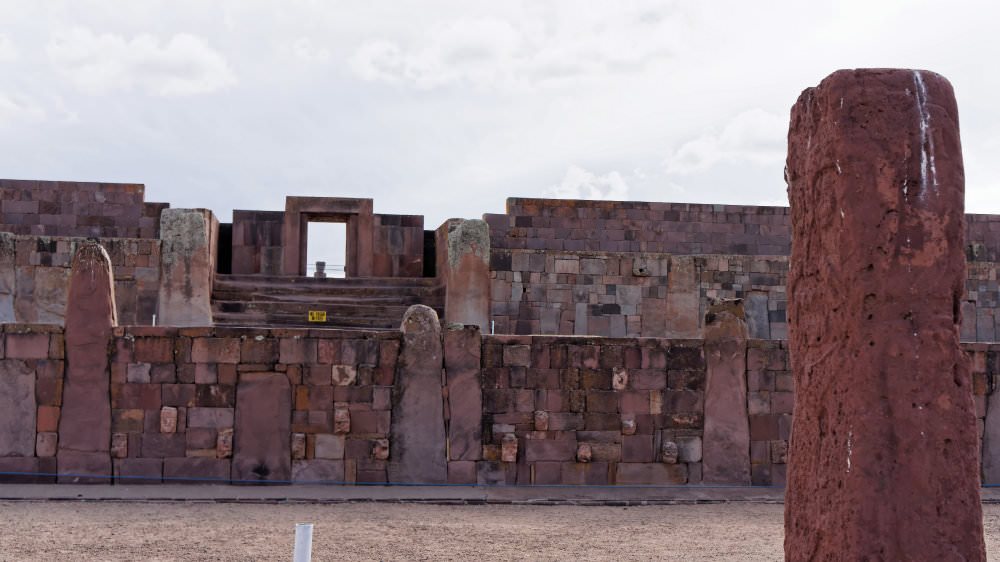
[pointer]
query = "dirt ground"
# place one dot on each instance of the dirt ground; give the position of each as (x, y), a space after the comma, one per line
(211, 531)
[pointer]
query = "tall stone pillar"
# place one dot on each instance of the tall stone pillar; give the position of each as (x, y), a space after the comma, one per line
(416, 432)
(883, 461)
(726, 445)
(467, 276)
(85, 421)
(187, 267)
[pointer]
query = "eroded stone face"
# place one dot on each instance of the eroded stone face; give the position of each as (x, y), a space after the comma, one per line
(883, 459)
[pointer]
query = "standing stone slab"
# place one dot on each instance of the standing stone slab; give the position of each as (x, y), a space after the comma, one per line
(17, 409)
(187, 267)
(683, 299)
(467, 297)
(8, 278)
(85, 420)
(726, 447)
(462, 350)
(417, 429)
(883, 458)
(262, 451)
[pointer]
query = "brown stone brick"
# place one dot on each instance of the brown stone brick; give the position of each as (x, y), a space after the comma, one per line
(637, 448)
(48, 419)
(594, 421)
(297, 350)
(517, 356)
(209, 417)
(27, 346)
(215, 395)
(764, 427)
(602, 401)
(196, 470)
(215, 350)
(549, 450)
(253, 350)
(178, 394)
(135, 396)
(226, 374)
(46, 444)
(134, 471)
(163, 373)
(48, 392)
(635, 402)
(593, 379)
(200, 438)
(153, 350)
(357, 448)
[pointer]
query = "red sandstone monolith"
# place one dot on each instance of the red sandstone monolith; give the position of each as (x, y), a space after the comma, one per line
(883, 462)
(417, 437)
(726, 444)
(85, 420)
(467, 280)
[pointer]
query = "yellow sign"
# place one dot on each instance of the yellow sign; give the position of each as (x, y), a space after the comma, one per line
(317, 316)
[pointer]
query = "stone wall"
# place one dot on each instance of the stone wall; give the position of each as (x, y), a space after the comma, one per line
(620, 294)
(398, 242)
(36, 269)
(553, 409)
(257, 242)
(87, 209)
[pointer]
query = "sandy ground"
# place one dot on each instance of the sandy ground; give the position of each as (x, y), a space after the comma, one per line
(210, 531)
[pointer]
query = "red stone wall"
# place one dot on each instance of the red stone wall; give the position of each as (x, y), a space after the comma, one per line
(257, 242)
(585, 411)
(624, 294)
(41, 269)
(57, 208)
(633, 226)
(555, 410)
(398, 242)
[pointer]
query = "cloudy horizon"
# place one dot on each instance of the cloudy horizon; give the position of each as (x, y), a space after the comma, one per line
(445, 108)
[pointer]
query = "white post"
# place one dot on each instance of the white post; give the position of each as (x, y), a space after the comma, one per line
(303, 542)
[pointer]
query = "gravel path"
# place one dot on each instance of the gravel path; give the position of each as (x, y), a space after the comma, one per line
(213, 531)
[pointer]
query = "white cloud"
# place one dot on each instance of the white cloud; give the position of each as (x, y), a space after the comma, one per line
(184, 65)
(754, 137)
(303, 49)
(19, 107)
(521, 52)
(581, 184)
(8, 51)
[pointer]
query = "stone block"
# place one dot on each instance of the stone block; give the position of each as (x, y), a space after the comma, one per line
(329, 446)
(24, 469)
(650, 474)
(517, 356)
(138, 471)
(79, 467)
(297, 350)
(17, 409)
(178, 395)
(344, 375)
(199, 470)
(210, 417)
(261, 449)
(318, 471)
(153, 350)
(27, 346)
(201, 438)
(168, 419)
(186, 267)
(549, 450)
(462, 472)
(637, 448)
(298, 448)
(46, 443)
(224, 443)
(162, 445)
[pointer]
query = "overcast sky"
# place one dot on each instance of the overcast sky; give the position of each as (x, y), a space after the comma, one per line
(446, 108)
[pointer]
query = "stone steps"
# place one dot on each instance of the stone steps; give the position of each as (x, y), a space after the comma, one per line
(368, 303)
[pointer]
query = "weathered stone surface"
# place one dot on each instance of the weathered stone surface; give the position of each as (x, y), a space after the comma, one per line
(467, 299)
(17, 409)
(683, 299)
(138, 471)
(8, 278)
(196, 470)
(417, 427)
(462, 349)
(318, 471)
(263, 428)
(653, 474)
(186, 270)
(85, 421)
(883, 461)
(726, 447)
(329, 446)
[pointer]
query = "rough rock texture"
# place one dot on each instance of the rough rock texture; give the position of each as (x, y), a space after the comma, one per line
(187, 267)
(683, 299)
(8, 278)
(417, 427)
(467, 299)
(262, 450)
(726, 447)
(462, 349)
(85, 421)
(17, 409)
(883, 459)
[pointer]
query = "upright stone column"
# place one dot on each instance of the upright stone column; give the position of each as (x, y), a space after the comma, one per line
(85, 420)
(462, 360)
(726, 445)
(416, 432)
(883, 461)
(187, 267)
(467, 294)
(8, 278)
